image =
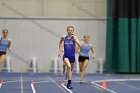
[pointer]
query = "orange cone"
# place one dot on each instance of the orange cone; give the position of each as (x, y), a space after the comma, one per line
(104, 84)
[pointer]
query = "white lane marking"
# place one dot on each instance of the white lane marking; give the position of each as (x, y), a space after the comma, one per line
(59, 85)
(1, 83)
(21, 83)
(15, 81)
(110, 80)
(42, 82)
(120, 82)
(128, 85)
(33, 88)
(103, 88)
(63, 85)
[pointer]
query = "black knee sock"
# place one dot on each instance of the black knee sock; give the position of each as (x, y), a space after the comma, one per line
(69, 81)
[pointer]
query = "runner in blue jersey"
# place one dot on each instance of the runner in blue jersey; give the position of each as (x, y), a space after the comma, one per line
(68, 46)
(84, 56)
(5, 43)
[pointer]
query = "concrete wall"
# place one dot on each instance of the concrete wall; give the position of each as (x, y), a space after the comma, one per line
(55, 8)
(39, 37)
(35, 27)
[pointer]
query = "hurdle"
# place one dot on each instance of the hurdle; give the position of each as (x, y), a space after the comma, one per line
(55, 65)
(100, 65)
(7, 64)
(33, 65)
(77, 64)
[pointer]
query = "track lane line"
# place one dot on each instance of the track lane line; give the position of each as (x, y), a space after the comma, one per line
(99, 86)
(60, 86)
(1, 83)
(33, 88)
(21, 83)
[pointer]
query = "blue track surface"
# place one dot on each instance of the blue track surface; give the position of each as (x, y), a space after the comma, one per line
(86, 88)
(50, 83)
(49, 86)
(124, 86)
